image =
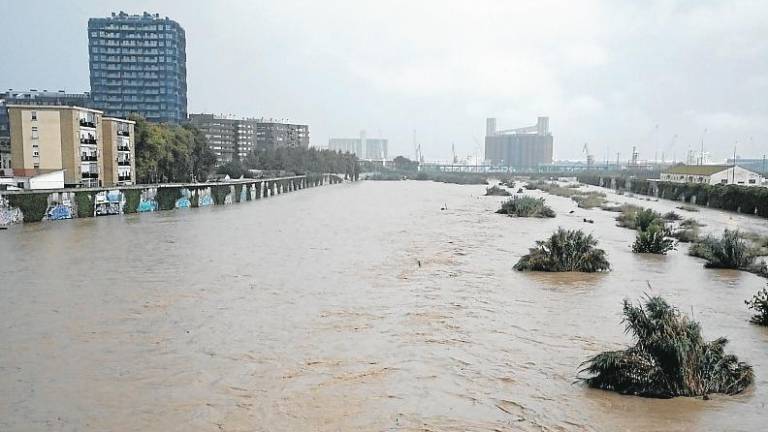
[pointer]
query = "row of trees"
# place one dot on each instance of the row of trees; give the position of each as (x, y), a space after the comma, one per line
(170, 153)
(297, 160)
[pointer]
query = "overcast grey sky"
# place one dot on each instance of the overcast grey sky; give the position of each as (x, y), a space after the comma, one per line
(611, 73)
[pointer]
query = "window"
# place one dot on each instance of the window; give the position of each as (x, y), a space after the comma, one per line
(752, 181)
(724, 181)
(34, 115)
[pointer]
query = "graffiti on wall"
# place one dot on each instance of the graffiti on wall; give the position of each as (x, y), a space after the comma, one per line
(108, 203)
(59, 212)
(184, 201)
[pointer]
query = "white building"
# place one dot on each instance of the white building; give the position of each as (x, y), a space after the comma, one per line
(363, 147)
(712, 174)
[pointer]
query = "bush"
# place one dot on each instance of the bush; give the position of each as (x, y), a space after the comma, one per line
(525, 206)
(589, 200)
(32, 205)
(496, 191)
(219, 193)
(653, 240)
(85, 202)
(671, 358)
(730, 251)
(645, 218)
(565, 251)
(672, 216)
(628, 216)
(132, 200)
(759, 304)
(166, 197)
(238, 193)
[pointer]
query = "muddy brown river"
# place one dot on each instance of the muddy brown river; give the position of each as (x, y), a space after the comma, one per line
(310, 312)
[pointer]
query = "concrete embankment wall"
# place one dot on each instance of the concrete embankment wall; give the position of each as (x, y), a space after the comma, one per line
(39, 205)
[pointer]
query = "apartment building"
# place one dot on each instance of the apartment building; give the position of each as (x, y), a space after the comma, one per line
(138, 64)
(228, 137)
(118, 144)
(47, 138)
(272, 135)
(30, 97)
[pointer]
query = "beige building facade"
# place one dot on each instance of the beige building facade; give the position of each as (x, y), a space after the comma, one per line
(73, 139)
(119, 161)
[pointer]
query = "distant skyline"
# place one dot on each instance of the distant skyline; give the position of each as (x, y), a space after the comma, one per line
(610, 73)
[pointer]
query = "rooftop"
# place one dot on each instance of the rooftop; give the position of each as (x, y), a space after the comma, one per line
(705, 170)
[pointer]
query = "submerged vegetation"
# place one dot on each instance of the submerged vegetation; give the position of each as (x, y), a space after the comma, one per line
(730, 251)
(586, 200)
(525, 206)
(654, 236)
(687, 231)
(653, 240)
(759, 304)
(496, 191)
(671, 358)
(565, 250)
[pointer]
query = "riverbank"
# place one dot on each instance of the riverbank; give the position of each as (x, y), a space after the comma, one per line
(61, 204)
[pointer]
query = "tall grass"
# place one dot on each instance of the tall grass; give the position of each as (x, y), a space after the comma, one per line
(565, 251)
(525, 206)
(730, 251)
(670, 358)
(759, 303)
(583, 199)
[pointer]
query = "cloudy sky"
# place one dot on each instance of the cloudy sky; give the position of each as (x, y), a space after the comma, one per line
(651, 74)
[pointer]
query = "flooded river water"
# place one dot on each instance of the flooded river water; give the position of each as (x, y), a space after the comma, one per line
(351, 307)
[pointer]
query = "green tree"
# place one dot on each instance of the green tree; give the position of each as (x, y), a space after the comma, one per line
(171, 153)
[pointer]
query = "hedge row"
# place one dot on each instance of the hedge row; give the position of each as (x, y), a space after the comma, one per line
(736, 198)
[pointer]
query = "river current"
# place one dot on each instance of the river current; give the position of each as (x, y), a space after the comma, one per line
(359, 306)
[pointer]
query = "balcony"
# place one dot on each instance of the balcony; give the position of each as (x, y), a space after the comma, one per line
(123, 133)
(89, 175)
(88, 158)
(124, 178)
(91, 141)
(88, 124)
(123, 163)
(123, 148)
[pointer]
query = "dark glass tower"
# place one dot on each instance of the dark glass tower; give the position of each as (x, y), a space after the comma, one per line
(138, 64)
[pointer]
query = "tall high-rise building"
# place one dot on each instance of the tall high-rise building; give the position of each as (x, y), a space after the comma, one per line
(526, 147)
(138, 64)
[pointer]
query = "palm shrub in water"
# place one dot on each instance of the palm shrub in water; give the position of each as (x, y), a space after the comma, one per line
(645, 218)
(496, 191)
(653, 240)
(525, 206)
(671, 358)
(564, 251)
(759, 304)
(730, 251)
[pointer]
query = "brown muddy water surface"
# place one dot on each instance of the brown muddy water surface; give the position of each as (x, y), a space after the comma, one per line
(310, 312)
